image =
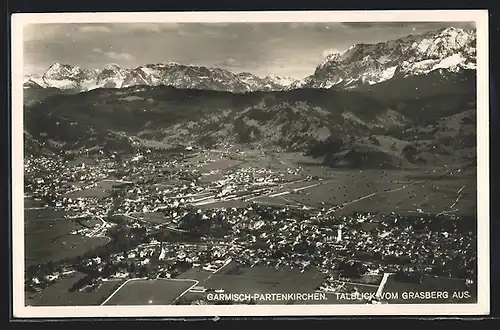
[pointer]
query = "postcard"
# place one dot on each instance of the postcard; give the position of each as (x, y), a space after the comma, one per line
(250, 164)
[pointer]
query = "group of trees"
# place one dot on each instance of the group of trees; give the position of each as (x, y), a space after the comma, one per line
(245, 133)
(123, 238)
(409, 277)
(410, 152)
(213, 226)
(116, 195)
(351, 269)
(206, 141)
(330, 146)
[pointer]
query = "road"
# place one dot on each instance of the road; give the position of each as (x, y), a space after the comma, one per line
(53, 219)
(36, 208)
(99, 229)
(381, 286)
(275, 193)
(165, 227)
(117, 181)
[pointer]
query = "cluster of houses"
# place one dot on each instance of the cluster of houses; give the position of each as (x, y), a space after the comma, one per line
(51, 175)
(278, 238)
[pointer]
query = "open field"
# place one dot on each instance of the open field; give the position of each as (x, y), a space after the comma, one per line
(29, 202)
(261, 280)
(51, 240)
(48, 238)
(58, 294)
(65, 247)
(220, 164)
(149, 292)
(44, 214)
(378, 191)
(86, 222)
(258, 280)
(153, 217)
(196, 274)
(102, 189)
(94, 192)
(223, 204)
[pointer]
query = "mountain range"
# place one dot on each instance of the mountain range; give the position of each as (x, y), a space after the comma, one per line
(361, 64)
(72, 78)
(398, 103)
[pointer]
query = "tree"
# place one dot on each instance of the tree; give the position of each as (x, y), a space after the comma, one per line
(410, 151)
(374, 140)
(143, 271)
(50, 267)
(132, 267)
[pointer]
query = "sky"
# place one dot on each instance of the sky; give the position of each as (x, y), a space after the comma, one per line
(284, 49)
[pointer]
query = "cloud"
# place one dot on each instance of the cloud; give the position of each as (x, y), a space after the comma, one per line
(119, 56)
(185, 33)
(414, 25)
(231, 62)
(371, 25)
(228, 63)
(97, 50)
(147, 27)
(44, 32)
(316, 26)
(210, 30)
(216, 24)
(95, 28)
(211, 33)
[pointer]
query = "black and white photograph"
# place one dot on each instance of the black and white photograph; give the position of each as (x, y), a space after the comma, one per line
(193, 164)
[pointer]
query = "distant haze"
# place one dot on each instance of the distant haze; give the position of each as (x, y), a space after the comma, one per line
(284, 49)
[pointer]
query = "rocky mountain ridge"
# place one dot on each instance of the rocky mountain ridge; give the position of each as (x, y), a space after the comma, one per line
(449, 49)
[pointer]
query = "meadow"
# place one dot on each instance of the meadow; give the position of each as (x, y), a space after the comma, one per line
(49, 239)
(101, 190)
(58, 294)
(149, 292)
(262, 279)
(383, 191)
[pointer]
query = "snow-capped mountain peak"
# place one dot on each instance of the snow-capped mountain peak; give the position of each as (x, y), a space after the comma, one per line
(65, 76)
(112, 66)
(280, 80)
